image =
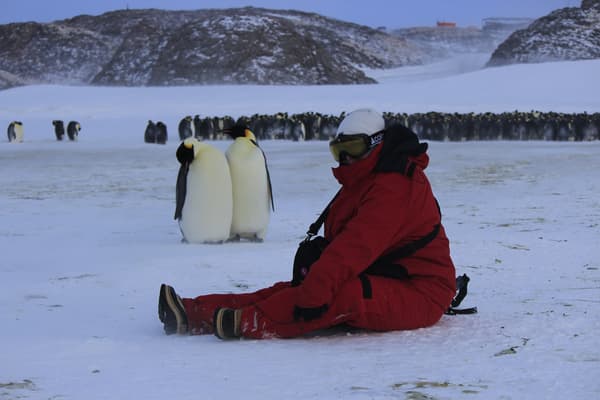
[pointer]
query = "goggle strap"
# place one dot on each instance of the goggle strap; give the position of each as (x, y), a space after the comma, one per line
(375, 138)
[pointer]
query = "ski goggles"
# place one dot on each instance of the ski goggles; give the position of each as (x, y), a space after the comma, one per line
(355, 145)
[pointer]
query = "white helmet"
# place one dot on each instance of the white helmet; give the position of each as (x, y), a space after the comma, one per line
(363, 120)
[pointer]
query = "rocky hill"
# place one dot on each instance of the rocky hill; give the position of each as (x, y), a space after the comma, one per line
(566, 34)
(155, 47)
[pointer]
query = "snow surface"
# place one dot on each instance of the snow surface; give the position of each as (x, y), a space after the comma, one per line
(87, 236)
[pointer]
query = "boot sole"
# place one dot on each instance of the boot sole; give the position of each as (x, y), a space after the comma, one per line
(218, 324)
(176, 307)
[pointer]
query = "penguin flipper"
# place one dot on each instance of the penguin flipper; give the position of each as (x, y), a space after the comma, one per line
(270, 187)
(181, 189)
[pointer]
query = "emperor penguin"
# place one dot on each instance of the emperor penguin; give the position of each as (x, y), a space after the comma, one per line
(204, 200)
(15, 132)
(73, 129)
(161, 133)
(59, 129)
(150, 132)
(252, 191)
(185, 127)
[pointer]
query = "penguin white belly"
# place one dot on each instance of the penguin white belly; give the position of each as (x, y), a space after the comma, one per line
(17, 133)
(251, 195)
(207, 211)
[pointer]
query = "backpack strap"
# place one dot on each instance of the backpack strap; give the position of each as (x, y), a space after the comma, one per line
(461, 289)
(313, 229)
(385, 266)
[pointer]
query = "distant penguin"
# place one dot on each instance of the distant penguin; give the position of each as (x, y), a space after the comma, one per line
(73, 129)
(185, 128)
(161, 133)
(59, 129)
(15, 132)
(204, 201)
(252, 192)
(197, 123)
(150, 133)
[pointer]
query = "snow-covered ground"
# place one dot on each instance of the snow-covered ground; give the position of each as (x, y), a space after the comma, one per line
(87, 236)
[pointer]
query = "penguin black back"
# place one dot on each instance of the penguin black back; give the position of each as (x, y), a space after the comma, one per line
(185, 128)
(59, 129)
(10, 132)
(150, 133)
(161, 133)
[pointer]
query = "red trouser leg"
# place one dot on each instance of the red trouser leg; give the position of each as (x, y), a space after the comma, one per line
(393, 305)
(200, 310)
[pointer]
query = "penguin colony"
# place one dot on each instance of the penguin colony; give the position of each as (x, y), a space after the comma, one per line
(223, 196)
(533, 125)
(516, 125)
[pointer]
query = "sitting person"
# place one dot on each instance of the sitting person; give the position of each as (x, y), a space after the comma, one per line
(385, 204)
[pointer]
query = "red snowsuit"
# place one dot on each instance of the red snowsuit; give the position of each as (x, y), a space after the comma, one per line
(374, 214)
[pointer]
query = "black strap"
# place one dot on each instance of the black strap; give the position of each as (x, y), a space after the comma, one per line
(315, 226)
(385, 263)
(367, 289)
(412, 247)
(405, 167)
(461, 288)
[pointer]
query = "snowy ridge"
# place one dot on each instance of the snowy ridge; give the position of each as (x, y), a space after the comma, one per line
(565, 34)
(154, 47)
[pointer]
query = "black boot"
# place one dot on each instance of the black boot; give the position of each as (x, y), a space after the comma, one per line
(171, 311)
(227, 323)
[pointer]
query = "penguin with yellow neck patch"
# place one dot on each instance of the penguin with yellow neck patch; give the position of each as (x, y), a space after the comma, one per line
(73, 129)
(252, 191)
(204, 202)
(15, 132)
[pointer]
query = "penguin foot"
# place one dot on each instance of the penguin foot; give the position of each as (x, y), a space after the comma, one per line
(235, 238)
(255, 239)
(214, 241)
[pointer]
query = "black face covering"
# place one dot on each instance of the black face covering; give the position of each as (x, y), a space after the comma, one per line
(399, 142)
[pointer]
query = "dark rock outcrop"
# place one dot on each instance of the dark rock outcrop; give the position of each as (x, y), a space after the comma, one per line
(566, 34)
(242, 46)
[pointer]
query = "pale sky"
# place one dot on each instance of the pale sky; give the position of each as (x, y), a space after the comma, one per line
(374, 13)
